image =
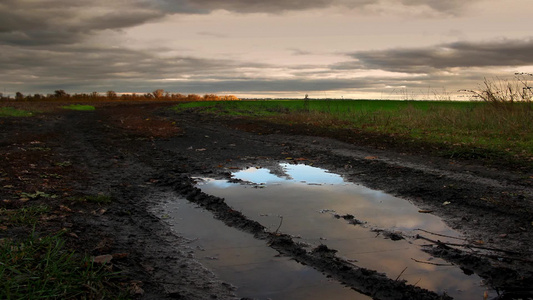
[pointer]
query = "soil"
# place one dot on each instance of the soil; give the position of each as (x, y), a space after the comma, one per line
(137, 152)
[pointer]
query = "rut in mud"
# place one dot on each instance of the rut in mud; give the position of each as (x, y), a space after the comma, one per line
(366, 227)
(321, 258)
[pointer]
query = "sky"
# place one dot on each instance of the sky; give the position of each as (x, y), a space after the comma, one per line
(372, 49)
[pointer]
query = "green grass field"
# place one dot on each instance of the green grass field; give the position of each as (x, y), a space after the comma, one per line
(80, 107)
(13, 112)
(464, 128)
(337, 107)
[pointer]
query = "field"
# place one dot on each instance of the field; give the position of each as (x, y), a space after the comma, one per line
(82, 187)
(456, 129)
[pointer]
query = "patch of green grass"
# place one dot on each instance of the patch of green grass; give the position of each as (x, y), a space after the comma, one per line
(36, 195)
(480, 130)
(65, 163)
(42, 268)
(80, 107)
(98, 199)
(13, 112)
(29, 215)
(44, 149)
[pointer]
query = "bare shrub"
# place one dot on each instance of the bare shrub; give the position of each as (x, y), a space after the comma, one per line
(159, 93)
(500, 91)
(111, 95)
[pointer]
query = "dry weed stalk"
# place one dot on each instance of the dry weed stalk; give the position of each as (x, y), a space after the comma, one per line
(501, 91)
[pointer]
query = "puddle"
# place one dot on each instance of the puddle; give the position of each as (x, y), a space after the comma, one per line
(308, 203)
(238, 258)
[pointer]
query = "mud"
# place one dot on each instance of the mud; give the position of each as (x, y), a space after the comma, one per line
(113, 151)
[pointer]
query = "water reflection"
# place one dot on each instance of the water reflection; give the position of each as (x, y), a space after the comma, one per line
(255, 269)
(308, 199)
(288, 173)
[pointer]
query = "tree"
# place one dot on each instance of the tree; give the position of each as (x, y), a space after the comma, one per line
(193, 97)
(61, 94)
(19, 96)
(230, 98)
(158, 93)
(111, 94)
(211, 97)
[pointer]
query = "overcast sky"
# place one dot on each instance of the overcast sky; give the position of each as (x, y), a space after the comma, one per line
(281, 48)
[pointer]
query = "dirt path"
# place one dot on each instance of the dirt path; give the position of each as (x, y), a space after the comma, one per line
(138, 159)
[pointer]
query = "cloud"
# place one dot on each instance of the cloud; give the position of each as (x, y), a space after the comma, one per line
(113, 68)
(273, 6)
(81, 70)
(446, 56)
(78, 68)
(212, 34)
(299, 52)
(276, 6)
(84, 69)
(29, 23)
(448, 6)
(26, 22)
(52, 44)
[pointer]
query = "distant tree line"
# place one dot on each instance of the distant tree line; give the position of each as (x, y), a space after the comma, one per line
(158, 94)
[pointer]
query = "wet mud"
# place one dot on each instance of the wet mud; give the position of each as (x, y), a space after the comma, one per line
(491, 207)
(366, 281)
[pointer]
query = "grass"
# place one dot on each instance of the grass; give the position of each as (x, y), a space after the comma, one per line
(96, 199)
(335, 107)
(80, 107)
(42, 268)
(29, 215)
(13, 112)
(464, 129)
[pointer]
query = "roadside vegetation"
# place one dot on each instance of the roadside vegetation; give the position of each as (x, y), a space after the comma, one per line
(496, 125)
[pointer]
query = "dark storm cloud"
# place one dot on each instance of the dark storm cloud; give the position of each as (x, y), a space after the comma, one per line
(446, 56)
(25, 22)
(95, 63)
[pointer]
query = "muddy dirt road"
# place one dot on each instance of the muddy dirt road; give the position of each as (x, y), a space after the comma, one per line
(139, 153)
